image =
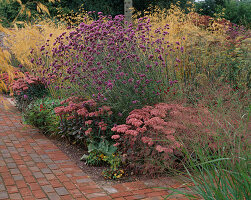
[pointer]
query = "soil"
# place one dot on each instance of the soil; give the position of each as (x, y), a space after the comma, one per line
(75, 152)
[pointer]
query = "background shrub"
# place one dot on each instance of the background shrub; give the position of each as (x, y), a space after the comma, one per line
(238, 12)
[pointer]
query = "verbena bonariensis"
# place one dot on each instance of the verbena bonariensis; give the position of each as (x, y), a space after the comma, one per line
(121, 65)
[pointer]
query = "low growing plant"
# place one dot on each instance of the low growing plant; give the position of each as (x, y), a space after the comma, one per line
(220, 170)
(41, 115)
(8, 73)
(151, 137)
(103, 153)
(84, 121)
(98, 152)
(27, 89)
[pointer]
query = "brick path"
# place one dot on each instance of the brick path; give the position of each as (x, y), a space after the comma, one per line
(32, 167)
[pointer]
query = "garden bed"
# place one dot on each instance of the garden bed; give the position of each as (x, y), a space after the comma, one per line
(139, 98)
(75, 152)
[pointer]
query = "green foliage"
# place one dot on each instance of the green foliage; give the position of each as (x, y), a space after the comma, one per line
(113, 174)
(113, 160)
(238, 12)
(66, 6)
(104, 147)
(109, 7)
(221, 174)
(115, 7)
(8, 12)
(209, 7)
(94, 159)
(220, 177)
(71, 129)
(41, 115)
(104, 153)
(146, 5)
(17, 11)
(24, 98)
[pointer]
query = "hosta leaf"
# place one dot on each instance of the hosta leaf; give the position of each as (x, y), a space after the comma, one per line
(84, 157)
(91, 147)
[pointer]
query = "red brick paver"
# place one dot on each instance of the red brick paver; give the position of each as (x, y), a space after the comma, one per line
(32, 167)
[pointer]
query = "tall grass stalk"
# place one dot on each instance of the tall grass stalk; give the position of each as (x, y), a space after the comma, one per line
(223, 174)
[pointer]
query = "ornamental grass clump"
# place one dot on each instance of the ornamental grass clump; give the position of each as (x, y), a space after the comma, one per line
(24, 43)
(225, 173)
(8, 73)
(6, 80)
(152, 138)
(214, 48)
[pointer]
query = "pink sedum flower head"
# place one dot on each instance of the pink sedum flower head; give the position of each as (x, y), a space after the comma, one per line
(59, 110)
(158, 128)
(121, 128)
(134, 122)
(115, 137)
(83, 112)
(106, 108)
(117, 144)
(89, 122)
(158, 113)
(169, 131)
(155, 121)
(109, 113)
(147, 140)
(136, 116)
(92, 114)
(132, 132)
(89, 130)
(168, 150)
(159, 148)
(141, 130)
(103, 128)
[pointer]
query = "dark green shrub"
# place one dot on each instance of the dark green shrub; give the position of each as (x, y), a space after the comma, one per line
(238, 12)
(8, 12)
(209, 7)
(41, 115)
